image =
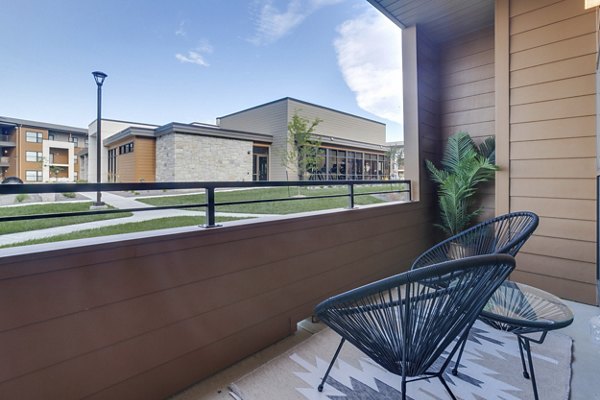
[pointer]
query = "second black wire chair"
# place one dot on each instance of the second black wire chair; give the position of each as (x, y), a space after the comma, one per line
(505, 234)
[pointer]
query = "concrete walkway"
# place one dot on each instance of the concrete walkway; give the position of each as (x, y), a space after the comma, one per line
(119, 202)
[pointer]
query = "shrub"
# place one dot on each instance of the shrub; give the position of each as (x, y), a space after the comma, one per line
(21, 197)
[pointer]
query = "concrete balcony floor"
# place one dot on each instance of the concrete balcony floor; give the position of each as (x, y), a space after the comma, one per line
(585, 384)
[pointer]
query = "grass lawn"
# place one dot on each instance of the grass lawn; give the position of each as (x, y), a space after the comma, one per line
(34, 224)
(302, 204)
(159, 223)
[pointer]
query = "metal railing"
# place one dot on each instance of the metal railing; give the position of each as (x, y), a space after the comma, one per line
(209, 187)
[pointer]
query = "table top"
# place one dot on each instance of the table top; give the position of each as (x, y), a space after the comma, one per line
(521, 308)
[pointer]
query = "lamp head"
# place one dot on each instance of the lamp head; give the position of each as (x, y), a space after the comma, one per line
(99, 77)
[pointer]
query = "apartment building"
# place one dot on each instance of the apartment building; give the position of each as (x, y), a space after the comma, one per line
(243, 146)
(40, 152)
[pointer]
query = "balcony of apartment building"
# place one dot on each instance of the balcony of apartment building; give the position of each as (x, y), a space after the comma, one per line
(144, 316)
(58, 159)
(7, 144)
(7, 140)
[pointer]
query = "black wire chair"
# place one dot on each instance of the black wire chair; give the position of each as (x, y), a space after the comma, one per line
(504, 234)
(407, 321)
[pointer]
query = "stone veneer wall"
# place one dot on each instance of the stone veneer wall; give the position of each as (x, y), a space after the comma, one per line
(182, 157)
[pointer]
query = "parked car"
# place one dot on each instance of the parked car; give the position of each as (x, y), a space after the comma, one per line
(12, 179)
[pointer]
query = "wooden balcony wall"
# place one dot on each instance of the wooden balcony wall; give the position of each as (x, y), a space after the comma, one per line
(145, 318)
(467, 99)
(552, 141)
(540, 62)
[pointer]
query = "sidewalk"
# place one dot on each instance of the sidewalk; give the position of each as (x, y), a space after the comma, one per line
(120, 203)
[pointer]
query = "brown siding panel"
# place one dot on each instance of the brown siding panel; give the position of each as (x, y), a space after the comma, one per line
(554, 129)
(467, 93)
(139, 319)
(553, 143)
(145, 159)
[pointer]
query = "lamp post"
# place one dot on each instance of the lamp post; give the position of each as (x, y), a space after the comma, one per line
(99, 77)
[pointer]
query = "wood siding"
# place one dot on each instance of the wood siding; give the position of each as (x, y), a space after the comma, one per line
(430, 142)
(23, 146)
(145, 318)
(553, 143)
(468, 95)
(125, 162)
(339, 124)
(145, 159)
(139, 165)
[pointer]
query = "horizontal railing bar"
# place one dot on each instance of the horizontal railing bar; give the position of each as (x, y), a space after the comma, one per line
(328, 196)
(116, 187)
(95, 212)
(209, 186)
(384, 192)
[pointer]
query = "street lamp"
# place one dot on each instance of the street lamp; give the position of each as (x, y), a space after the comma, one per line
(99, 77)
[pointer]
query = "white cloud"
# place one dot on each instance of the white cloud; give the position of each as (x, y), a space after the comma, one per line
(369, 50)
(273, 23)
(197, 55)
(181, 29)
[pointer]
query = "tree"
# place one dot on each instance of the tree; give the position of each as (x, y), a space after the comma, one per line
(395, 156)
(303, 148)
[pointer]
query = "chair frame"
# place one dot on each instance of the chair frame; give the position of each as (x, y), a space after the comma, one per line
(436, 253)
(472, 281)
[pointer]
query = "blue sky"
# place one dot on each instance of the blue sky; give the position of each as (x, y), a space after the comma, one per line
(196, 60)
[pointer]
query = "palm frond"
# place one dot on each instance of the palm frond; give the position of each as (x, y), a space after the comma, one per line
(459, 147)
(465, 166)
(487, 148)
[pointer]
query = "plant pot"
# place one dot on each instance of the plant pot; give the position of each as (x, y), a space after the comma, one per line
(456, 251)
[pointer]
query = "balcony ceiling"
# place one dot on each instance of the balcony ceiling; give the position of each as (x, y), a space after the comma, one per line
(441, 20)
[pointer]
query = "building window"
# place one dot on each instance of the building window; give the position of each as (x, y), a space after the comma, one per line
(33, 137)
(86, 142)
(126, 148)
(74, 140)
(33, 176)
(33, 156)
(112, 165)
(75, 175)
(51, 136)
(75, 159)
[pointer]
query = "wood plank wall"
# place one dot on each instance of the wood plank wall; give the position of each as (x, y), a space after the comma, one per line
(468, 95)
(430, 142)
(145, 159)
(145, 318)
(553, 142)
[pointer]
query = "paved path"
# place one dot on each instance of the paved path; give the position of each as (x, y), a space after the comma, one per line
(121, 203)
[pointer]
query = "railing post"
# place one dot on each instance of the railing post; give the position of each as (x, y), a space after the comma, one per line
(210, 207)
(351, 187)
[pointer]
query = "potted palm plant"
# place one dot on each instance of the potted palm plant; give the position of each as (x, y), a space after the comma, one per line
(464, 167)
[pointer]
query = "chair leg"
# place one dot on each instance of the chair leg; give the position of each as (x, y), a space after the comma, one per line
(335, 356)
(446, 386)
(527, 346)
(463, 339)
(525, 373)
(403, 387)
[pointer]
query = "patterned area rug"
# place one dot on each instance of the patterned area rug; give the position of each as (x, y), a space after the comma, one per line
(490, 369)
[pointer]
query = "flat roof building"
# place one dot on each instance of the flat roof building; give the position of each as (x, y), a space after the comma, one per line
(242, 146)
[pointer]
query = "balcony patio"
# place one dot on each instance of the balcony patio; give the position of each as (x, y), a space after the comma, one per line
(134, 318)
(148, 315)
(584, 385)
